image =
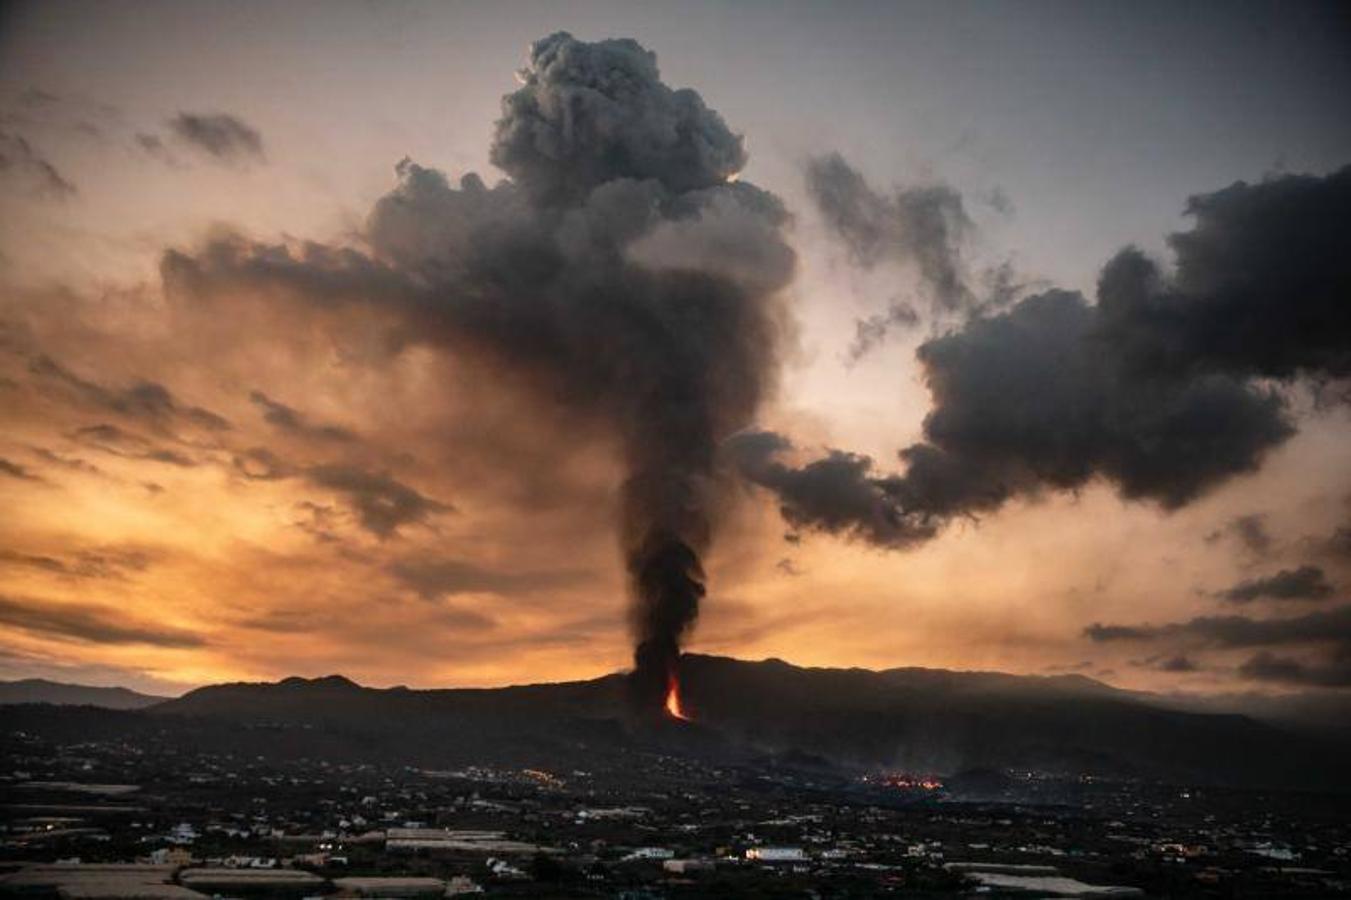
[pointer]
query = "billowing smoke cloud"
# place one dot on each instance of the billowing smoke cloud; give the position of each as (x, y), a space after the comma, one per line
(1260, 285)
(872, 331)
(621, 271)
(923, 225)
(1157, 389)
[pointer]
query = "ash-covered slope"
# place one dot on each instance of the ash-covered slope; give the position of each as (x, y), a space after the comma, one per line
(40, 690)
(916, 719)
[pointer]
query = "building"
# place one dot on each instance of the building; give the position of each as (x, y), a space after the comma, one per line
(650, 853)
(462, 884)
(776, 854)
(687, 866)
(399, 886)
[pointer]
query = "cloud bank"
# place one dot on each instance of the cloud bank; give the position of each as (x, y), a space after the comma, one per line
(1164, 388)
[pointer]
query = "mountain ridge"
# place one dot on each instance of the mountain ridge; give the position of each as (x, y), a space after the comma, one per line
(913, 718)
(61, 693)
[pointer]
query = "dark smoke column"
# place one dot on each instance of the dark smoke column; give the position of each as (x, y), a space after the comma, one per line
(669, 286)
(621, 271)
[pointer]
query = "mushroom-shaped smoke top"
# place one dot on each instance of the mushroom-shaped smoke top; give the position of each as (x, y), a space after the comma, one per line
(588, 114)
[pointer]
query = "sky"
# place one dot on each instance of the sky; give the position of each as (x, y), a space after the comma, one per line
(282, 394)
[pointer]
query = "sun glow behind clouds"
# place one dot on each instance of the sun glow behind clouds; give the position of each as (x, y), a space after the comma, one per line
(278, 576)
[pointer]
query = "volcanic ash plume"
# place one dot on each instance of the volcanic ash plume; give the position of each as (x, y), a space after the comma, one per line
(1166, 387)
(621, 269)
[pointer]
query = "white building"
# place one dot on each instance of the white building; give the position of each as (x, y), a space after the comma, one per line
(776, 854)
(686, 866)
(650, 853)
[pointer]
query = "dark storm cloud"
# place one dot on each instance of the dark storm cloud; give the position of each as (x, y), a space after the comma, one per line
(44, 111)
(1177, 663)
(31, 561)
(382, 504)
(1319, 641)
(14, 470)
(1250, 531)
(434, 578)
(18, 158)
(1265, 666)
(925, 226)
(1032, 396)
(154, 147)
(110, 563)
(1304, 583)
(1259, 287)
(319, 521)
(1056, 392)
(288, 419)
(144, 401)
(619, 272)
(1103, 633)
(83, 622)
(68, 463)
(261, 464)
(222, 136)
(432, 620)
(1324, 626)
(117, 441)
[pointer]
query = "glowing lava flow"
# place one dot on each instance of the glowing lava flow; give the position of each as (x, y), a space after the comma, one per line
(673, 708)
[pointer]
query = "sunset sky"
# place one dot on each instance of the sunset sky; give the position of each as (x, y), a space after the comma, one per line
(227, 454)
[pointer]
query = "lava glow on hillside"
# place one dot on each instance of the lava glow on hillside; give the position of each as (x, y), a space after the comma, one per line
(673, 707)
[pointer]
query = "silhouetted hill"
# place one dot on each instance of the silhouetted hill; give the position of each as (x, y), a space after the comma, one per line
(39, 690)
(915, 719)
(1318, 712)
(941, 721)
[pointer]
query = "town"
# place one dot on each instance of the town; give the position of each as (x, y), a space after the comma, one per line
(116, 819)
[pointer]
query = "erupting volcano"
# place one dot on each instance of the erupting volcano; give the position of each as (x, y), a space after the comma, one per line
(622, 270)
(673, 707)
(656, 303)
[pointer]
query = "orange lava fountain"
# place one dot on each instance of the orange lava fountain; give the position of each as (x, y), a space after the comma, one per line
(673, 708)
